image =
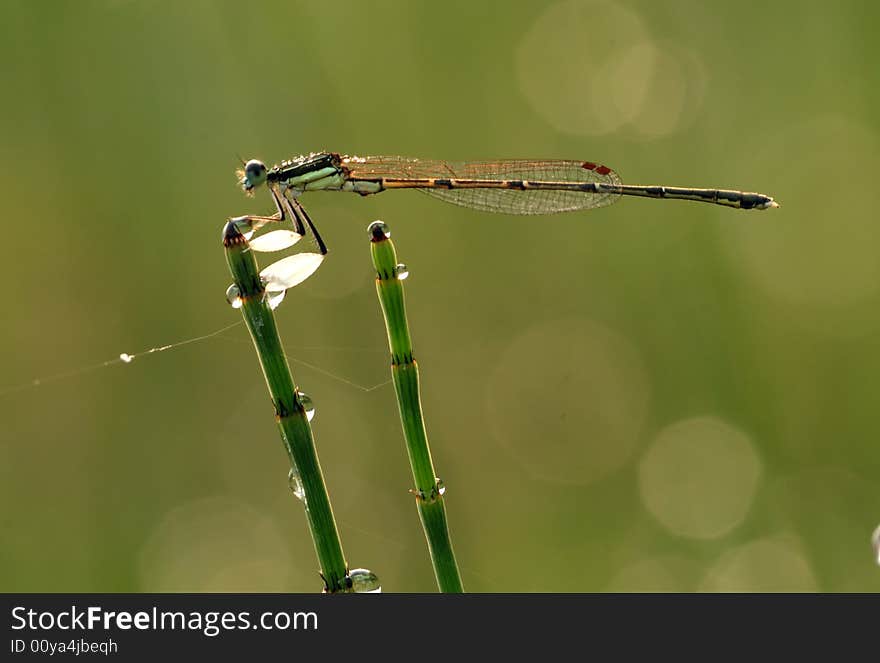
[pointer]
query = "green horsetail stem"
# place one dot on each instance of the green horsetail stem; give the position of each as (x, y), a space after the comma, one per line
(290, 412)
(405, 372)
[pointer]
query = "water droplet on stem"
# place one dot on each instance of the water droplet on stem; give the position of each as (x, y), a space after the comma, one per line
(233, 296)
(363, 581)
(307, 405)
(875, 542)
(296, 485)
(378, 231)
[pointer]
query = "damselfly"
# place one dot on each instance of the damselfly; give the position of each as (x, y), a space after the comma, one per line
(517, 186)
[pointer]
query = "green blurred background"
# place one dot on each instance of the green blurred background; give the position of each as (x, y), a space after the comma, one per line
(652, 396)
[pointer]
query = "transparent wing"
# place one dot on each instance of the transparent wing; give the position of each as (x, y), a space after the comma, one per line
(544, 200)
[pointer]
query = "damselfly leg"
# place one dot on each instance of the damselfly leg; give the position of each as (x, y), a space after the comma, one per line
(286, 205)
(253, 222)
(299, 214)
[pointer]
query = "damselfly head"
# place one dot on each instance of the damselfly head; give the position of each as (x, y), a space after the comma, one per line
(253, 175)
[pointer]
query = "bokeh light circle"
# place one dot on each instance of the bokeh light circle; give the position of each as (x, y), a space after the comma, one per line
(591, 68)
(567, 400)
(820, 248)
(699, 477)
(214, 545)
(765, 565)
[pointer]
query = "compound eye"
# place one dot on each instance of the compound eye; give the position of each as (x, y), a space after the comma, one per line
(254, 168)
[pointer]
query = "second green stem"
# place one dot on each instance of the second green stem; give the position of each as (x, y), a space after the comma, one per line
(405, 372)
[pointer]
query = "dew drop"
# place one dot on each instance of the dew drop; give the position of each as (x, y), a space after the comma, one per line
(364, 581)
(401, 271)
(439, 486)
(875, 542)
(127, 358)
(296, 485)
(306, 401)
(233, 296)
(273, 299)
(378, 231)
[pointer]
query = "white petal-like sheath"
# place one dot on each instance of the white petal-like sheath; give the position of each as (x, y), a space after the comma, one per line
(277, 240)
(273, 299)
(290, 271)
